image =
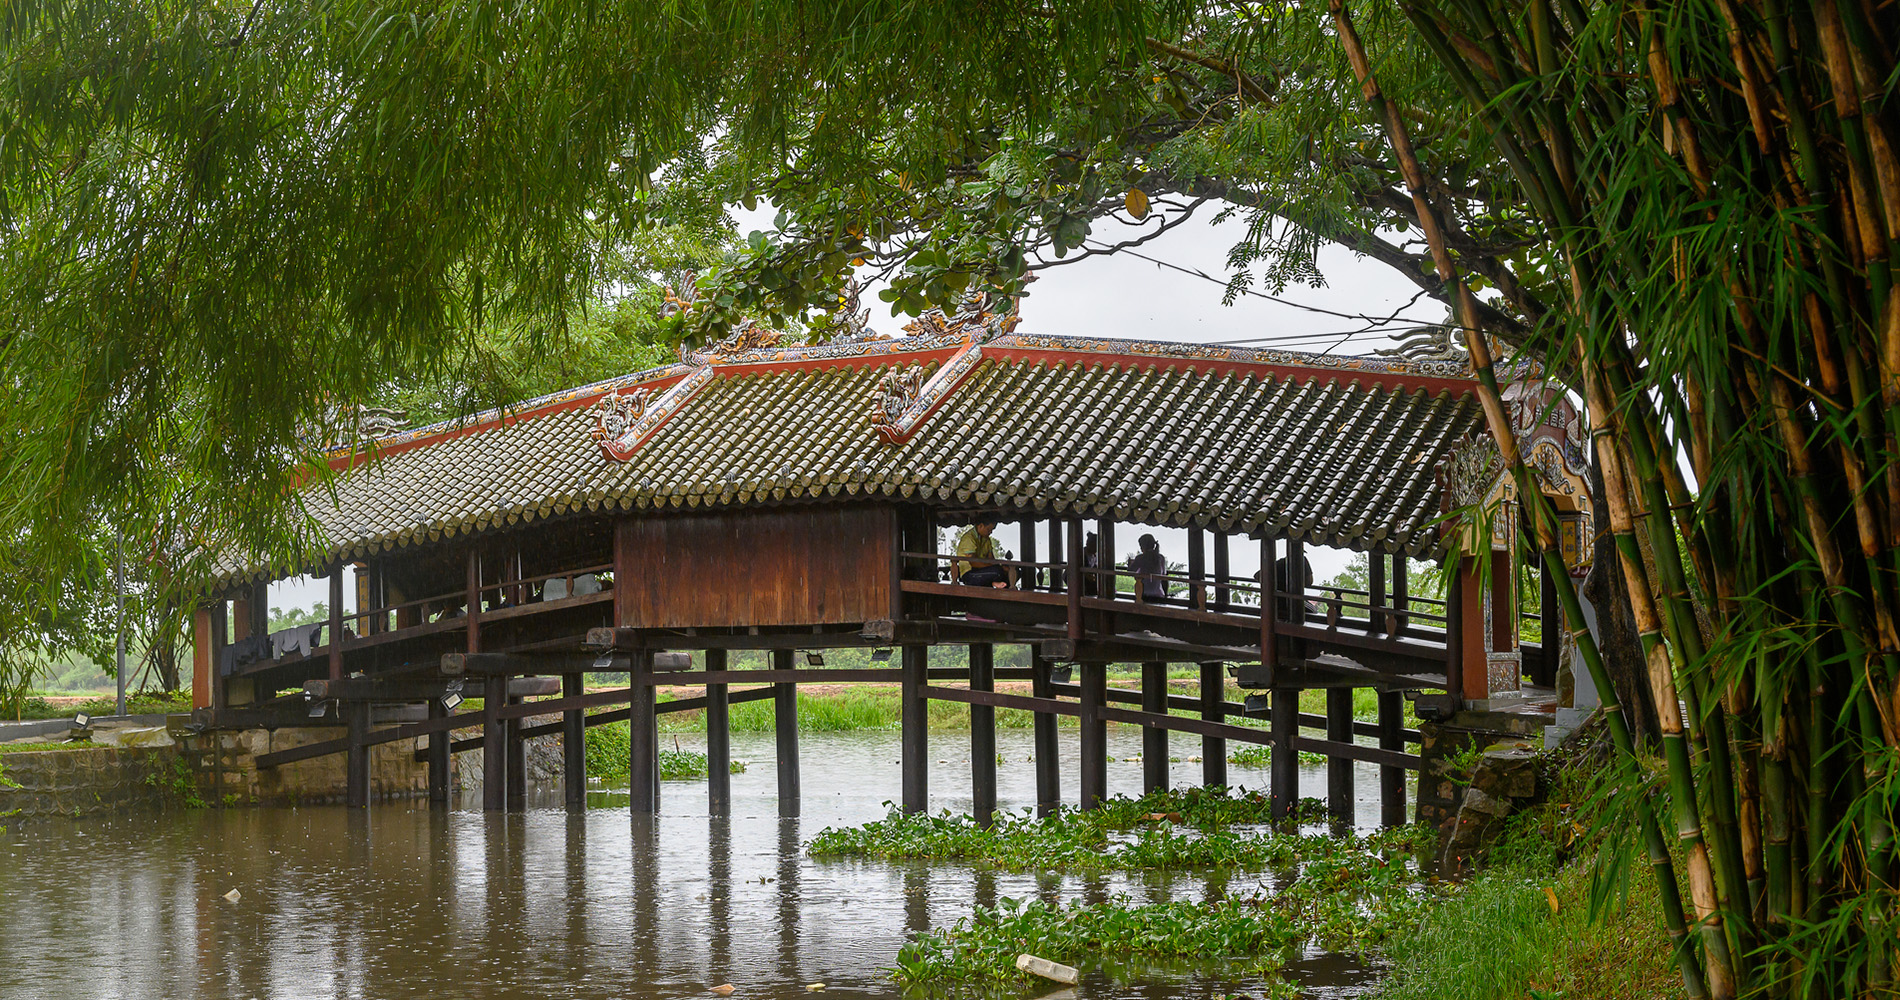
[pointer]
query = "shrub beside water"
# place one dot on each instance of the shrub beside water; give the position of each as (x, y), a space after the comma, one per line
(608, 746)
(1341, 893)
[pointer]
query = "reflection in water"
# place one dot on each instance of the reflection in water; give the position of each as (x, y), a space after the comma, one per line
(403, 900)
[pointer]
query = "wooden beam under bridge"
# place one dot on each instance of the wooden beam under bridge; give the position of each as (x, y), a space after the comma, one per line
(693, 704)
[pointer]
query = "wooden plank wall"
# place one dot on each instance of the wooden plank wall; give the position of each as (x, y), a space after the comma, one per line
(799, 566)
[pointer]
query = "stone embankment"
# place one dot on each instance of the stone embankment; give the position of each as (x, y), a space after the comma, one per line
(111, 768)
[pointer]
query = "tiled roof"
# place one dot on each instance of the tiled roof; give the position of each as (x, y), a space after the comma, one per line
(1331, 450)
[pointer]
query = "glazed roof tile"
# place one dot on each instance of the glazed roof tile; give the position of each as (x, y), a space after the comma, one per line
(1333, 451)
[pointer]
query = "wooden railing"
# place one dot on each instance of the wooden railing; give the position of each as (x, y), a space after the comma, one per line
(1327, 609)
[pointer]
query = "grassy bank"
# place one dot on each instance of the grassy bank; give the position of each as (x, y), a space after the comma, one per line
(879, 706)
(1567, 908)
(1524, 930)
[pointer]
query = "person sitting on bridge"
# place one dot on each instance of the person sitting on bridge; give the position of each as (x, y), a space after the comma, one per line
(976, 558)
(1147, 567)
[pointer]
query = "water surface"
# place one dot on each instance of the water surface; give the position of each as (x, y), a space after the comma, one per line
(404, 901)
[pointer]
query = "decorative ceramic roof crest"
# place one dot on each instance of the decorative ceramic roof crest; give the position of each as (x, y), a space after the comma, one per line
(1550, 436)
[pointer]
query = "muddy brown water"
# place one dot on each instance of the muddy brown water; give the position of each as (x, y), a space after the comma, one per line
(403, 901)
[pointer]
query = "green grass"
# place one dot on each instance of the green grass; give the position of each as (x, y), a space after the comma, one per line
(608, 746)
(37, 747)
(1497, 938)
(1525, 926)
(142, 703)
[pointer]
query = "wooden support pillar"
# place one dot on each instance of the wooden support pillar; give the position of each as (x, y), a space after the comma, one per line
(438, 757)
(1503, 604)
(1550, 616)
(1284, 767)
(1110, 578)
(916, 735)
(983, 735)
(785, 725)
(1154, 739)
(1058, 530)
(1197, 568)
(1468, 672)
(203, 664)
(1048, 750)
(494, 744)
(517, 760)
(1223, 568)
(1213, 709)
(643, 751)
(356, 759)
(335, 629)
(1400, 596)
(574, 746)
(718, 741)
(1094, 741)
(220, 637)
(1295, 582)
(1391, 777)
(1028, 577)
(1269, 615)
(1339, 793)
(1376, 622)
(1077, 570)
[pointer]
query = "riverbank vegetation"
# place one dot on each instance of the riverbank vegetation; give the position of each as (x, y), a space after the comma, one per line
(607, 761)
(1338, 893)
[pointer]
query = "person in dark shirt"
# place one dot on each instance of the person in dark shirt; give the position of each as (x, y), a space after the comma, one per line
(1147, 566)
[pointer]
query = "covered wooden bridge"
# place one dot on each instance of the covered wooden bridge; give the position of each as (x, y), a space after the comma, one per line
(796, 499)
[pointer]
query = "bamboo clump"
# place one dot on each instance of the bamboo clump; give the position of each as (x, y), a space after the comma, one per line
(1721, 189)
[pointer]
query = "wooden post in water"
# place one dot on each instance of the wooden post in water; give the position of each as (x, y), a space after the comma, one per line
(983, 735)
(785, 726)
(494, 743)
(1094, 741)
(1048, 752)
(916, 736)
(1213, 709)
(1154, 739)
(643, 723)
(494, 696)
(1339, 792)
(517, 759)
(574, 745)
(718, 741)
(1284, 765)
(438, 757)
(1391, 777)
(356, 762)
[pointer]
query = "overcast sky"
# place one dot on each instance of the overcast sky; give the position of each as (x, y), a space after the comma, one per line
(1124, 297)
